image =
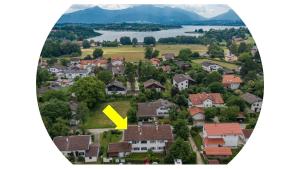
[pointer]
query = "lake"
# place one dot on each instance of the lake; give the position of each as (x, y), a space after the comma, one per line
(112, 35)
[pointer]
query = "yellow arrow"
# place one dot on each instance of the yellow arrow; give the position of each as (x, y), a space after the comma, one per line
(115, 117)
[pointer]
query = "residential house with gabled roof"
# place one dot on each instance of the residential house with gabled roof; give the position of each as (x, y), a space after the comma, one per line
(254, 101)
(120, 149)
(205, 100)
(196, 113)
(168, 56)
(222, 134)
(217, 152)
(153, 84)
(78, 146)
(182, 81)
(166, 68)
(152, 110)
(115, 87)
(148, 137)
(231, 81)
(155, 62)
(210, 66)
(183, 65)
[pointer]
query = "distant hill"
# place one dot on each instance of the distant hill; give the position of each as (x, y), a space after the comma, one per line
(229, 16)
(137, 14)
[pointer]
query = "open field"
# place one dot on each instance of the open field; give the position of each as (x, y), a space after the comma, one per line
(224, 64)
(135, 54)
(98, 119)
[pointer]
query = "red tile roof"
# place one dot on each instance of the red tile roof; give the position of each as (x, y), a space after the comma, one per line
(217, 151)
(148, 132)
(155, 61)
(93, 151)
(214, 141)
(213, 129)
(199, 98)
(213, 162)
(195, 110)
(231, 79)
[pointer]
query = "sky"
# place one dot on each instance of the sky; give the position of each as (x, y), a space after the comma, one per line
(203, 10)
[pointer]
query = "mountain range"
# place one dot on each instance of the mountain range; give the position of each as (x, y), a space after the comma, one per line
(142, 14)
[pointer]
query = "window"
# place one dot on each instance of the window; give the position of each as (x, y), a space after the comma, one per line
(152, 148)
(136, 149)
(134, 142)
(160, 148)
(90, 157)
(144, 148)
(144, 142)
(152, 141)
(161, 141)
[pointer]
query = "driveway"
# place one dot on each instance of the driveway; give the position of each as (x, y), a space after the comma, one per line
(195, 149)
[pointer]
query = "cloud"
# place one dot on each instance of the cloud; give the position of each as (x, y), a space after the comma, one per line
(203, 10)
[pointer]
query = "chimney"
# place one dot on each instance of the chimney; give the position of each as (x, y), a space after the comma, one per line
(156, 126)
(139, 130)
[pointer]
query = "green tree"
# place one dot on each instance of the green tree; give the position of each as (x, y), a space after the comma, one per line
(97, 53)
(42, 76)
(131, 115)
(181, 129)
(134, 41)
(229, 114)
(180, 150)
(59, 128)
(55, 94)
(243, 48)
(86, 44)
(213, 77)
(82, 111)
(125, 40)
(105, 76)
(149, 40)
(64, 61)
(89, 90)
(155, 53)
(215, 50)
(216, 87)
(148, 52)
(185, 54)
(55, 108)
(236, 101)
(210, 113)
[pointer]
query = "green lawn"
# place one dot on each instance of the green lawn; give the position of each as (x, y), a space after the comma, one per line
(98, 119)
(198, 141)
(109, 137)
(135, 54)
(138, 158)
(224, 64)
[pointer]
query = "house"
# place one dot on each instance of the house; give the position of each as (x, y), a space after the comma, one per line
(153, 84)
(116, 69)
(77, 146)
(166, 68)
(73, 73)
(168, 56)
(231, 81)
(120, 149)
(210, 66)
(205, 100)
(117, 61)
(101, 63)
(247, 133)
(84, 64)
(56, 69)
(155, 62)
(183, 65)
(152, 110)
(92, 153)
(115, 87)
(222, 134)
(196, 113)
(74, 61)
(217, 152)
(182, 81)
(254, 50)
(254, 101)
(148, 137)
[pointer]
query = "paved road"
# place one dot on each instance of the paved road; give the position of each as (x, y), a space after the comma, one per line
(195, 149)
